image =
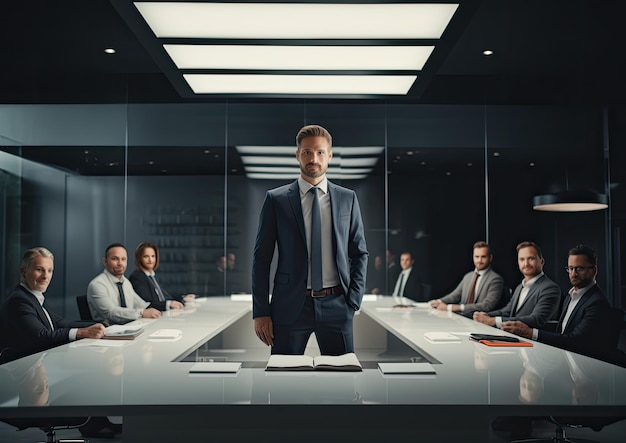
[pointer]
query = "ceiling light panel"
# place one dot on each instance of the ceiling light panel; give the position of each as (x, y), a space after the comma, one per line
(299, 84)
(279, 20)
(410, 58)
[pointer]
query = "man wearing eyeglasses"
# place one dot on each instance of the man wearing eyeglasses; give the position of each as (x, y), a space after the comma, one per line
(584, 324)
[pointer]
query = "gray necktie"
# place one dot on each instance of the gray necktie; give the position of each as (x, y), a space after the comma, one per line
(157, 288)
(121, 291)
(316, 242)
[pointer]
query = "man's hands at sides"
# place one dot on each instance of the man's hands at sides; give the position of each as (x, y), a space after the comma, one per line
(264, 329)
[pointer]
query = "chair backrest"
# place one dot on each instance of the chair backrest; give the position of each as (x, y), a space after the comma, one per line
(617, 325)
(83, 307)
(504, 298)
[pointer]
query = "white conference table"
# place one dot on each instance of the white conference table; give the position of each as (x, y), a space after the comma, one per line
(144, 381)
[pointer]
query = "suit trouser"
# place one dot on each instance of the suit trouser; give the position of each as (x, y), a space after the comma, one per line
(331, 320)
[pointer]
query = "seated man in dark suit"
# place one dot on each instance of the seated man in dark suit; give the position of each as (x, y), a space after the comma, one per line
(408, 284)
(536, 299)
(28, 326)
(145, 283)
(584, 324)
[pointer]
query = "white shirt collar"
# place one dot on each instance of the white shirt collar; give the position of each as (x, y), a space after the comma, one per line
(38, 294)
(305, 185)
(576, 294)
(112, 277)
(532, 281)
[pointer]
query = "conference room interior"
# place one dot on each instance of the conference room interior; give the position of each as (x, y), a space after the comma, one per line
(134, 162)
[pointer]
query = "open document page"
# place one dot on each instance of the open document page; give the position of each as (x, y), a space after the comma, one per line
(345, 362)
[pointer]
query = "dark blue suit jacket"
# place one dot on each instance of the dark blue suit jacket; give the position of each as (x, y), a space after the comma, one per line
(143, 287)
(588, 328)
(281, 223)
(26, 328)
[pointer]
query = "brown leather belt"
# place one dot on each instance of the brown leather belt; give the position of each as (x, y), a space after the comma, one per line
(335, 290)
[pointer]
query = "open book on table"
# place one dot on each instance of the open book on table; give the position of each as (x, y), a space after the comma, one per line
(345, 362)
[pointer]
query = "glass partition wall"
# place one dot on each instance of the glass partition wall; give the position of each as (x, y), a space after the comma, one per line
(191, 178)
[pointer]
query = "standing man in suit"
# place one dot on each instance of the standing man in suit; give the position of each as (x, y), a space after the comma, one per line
(480, 290)
(535, 300)
(111, 296)
(584, 324)
(27, 324)
(322, 257)
(145, 283)
(407, 284)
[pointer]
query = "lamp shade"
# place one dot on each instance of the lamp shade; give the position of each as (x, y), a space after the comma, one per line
(570, 201)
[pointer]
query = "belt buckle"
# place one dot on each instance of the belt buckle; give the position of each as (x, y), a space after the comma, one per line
(317, 296)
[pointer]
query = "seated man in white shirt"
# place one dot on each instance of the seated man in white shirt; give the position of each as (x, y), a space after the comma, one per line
(111, 296)
(408, 284)
(536, 299)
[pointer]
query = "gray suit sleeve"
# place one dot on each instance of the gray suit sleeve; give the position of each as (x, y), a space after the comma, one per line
(455, 295)
(546, 306)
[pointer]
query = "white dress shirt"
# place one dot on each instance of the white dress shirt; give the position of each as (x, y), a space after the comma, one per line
(330, 276)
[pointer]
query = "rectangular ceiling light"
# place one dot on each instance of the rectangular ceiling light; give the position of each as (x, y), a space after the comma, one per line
(297, 20)
(410, 58)
(299, 84)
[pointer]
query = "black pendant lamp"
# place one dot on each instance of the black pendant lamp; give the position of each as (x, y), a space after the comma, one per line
(570, 201)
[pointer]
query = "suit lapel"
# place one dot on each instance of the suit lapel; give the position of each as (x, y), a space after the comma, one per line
(40, 313)
(580, 305)
(559, 325)
(293, 195)
(483, 285)
(515, 299)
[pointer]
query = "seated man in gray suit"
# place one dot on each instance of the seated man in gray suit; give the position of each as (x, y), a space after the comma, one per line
(535, 300)
(479, 290)
(584, 324)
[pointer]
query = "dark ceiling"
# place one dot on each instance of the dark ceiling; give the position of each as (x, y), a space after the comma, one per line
(546, 52)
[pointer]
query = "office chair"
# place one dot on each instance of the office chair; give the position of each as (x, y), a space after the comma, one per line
(50, 426)
(83, 308)
(562, 423)
(617, 328)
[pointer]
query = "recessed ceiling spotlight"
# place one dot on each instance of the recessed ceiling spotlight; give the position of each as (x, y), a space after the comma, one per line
(150, 162)
(487, 52)
(531, 164)
(109, 51)
(496, 154)
(448, 173)
(409, 153)
(206, 151)
(423, 163)
(470, 164)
